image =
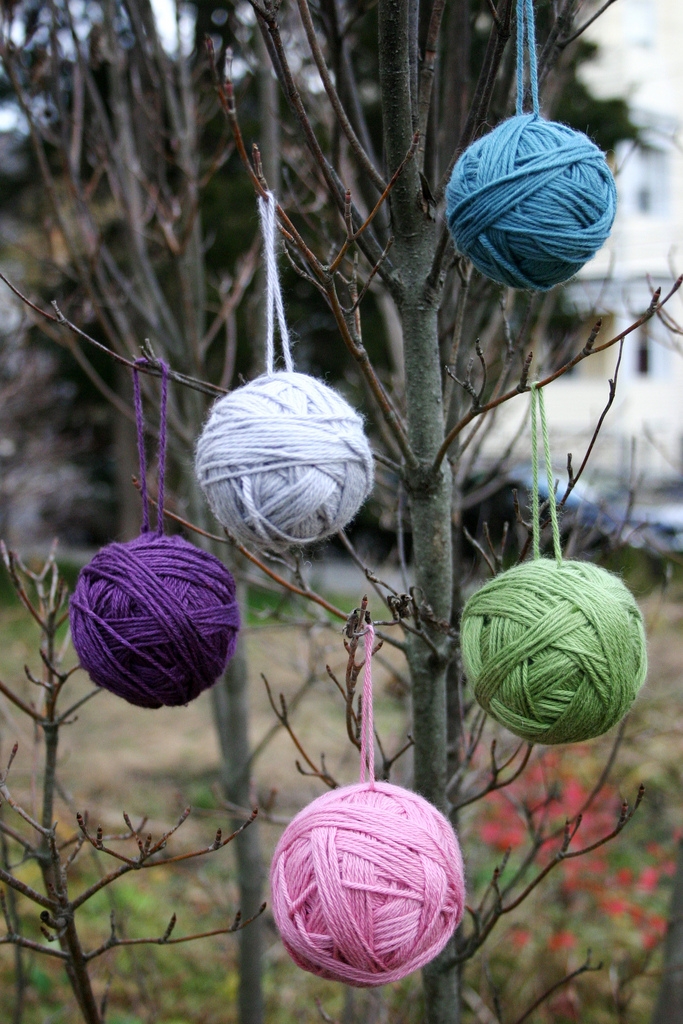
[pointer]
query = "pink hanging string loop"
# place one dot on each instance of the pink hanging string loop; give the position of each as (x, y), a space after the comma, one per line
(367, 882)
(367, 734)
(140, 429)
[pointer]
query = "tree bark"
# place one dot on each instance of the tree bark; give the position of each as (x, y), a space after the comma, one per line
(230, 701)
(19, 969)
(269, 102)
(231, 713)
(669, 1006)
(125, 448)
(429, 494)
(456, 76)
(69, 941)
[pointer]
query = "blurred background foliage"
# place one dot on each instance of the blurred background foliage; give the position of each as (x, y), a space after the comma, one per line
(65, 465)
(32, 249)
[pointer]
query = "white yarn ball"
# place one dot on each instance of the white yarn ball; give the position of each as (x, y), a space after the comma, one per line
(284, 461)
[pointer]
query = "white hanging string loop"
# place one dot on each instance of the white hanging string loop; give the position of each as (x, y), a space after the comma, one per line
(273, 291)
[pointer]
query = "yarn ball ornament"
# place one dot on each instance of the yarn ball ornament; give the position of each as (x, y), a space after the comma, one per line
(556, 653)
(154, 620)
(284, 461)
(367, 884)
(531, 202)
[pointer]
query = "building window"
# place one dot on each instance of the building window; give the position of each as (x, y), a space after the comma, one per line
(640, 27)
(643, 353)
(644, 199)
(652, 353)
(643, 180)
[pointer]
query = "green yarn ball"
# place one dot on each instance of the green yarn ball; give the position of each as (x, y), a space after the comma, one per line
(556, 653)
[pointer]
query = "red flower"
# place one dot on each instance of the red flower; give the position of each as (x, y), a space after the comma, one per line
(574, 796)
(649, 879)
(562, 940)
(615, 906)
(519, 937)
(503, 833)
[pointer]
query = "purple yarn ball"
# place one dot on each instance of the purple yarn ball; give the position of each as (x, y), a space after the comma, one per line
(154, 620)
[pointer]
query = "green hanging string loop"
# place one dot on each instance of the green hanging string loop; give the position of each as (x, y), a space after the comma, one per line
(555, 651)
(537, 399)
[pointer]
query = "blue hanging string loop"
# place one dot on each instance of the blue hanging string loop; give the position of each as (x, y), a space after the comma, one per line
(533, 200)
(525, 20)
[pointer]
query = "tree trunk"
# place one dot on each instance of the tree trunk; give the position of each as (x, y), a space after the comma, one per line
(456, 75)
(231, 713)
(20, 978)
(431, 530)
(269, 102)
(429, 494)
(669, 1007)
(230, 701)
(125, 448)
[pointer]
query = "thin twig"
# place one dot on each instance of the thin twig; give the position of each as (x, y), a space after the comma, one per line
(38, 947)
(371, 276)
(583, 969)
(18, 702)
(494, 783)
(18, 809)
(26, 890)
(251, 557)
(484, 927)
(164, 940)
(523, 386)
(570, 39)
(364, 161)
(283, 718)
(150, 368)
(353, 236)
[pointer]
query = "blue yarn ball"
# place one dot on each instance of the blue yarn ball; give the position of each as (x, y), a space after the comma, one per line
(531, 202)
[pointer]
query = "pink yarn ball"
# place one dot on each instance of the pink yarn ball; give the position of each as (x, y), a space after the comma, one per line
(367, 884)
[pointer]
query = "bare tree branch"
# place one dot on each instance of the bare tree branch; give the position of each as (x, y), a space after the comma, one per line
(586, 351)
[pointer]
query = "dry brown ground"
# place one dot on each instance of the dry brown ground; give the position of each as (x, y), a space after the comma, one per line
(117, 758)
(154, 763)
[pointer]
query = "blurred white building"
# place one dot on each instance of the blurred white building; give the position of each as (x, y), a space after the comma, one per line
(641, 58)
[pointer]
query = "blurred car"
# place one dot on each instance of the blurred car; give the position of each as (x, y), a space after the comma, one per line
(659, 526)
(599, 518)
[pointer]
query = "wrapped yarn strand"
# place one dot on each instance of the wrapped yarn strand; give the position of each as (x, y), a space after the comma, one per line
(154, 620)
(554, 649)
(531, 202)
(283, 460)
(367, 881)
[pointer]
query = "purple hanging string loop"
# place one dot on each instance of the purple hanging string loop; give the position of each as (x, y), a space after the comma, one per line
(161, 462)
